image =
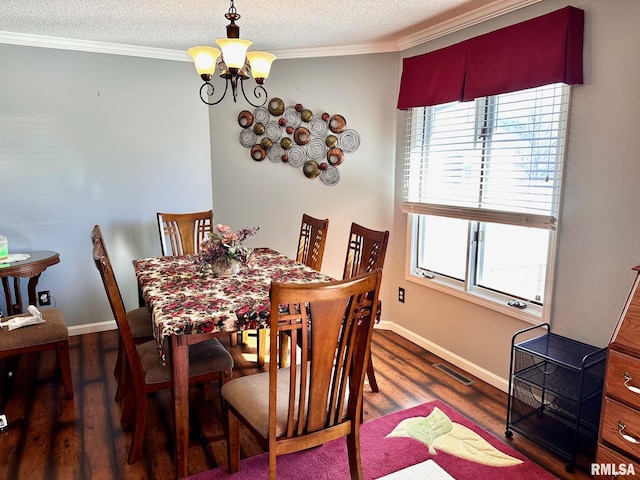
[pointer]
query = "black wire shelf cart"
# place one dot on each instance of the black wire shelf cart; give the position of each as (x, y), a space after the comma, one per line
(555, 392)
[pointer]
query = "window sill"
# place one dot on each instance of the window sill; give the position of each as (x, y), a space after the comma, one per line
(531, 314)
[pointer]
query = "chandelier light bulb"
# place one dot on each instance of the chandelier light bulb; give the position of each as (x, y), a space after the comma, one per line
(204, 59)
(260, 64)
(234, 51)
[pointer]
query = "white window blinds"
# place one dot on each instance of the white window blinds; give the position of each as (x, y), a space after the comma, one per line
(496, 159)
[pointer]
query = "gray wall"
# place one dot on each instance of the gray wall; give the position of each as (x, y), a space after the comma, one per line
(90, 138)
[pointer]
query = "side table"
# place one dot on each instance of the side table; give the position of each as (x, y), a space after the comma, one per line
(30, 268)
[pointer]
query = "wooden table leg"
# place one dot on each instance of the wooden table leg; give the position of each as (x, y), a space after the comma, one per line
(7, 294)
(180, 379)
(261, 346)
(31, 290)
(13, 308)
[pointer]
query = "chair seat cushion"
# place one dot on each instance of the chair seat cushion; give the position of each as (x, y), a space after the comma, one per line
(140, 323)
(54, 329)
(205, 357)
(249, 396)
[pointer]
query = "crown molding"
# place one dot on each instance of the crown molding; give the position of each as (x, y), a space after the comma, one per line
(491, 10)
(167, 54)
(364, 49)
(89, 46)
(479, 15)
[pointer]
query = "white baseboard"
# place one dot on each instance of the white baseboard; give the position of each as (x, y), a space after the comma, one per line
(469, 367)
(92, 327)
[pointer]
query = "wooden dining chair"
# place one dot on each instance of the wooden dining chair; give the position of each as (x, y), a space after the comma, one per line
(139, 321)
(366, 250)
(182, 233)
(53, 334)
(318, 398)
(209, 360)
(311, 242)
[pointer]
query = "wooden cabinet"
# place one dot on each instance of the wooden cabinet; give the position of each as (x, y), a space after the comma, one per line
(618, 454)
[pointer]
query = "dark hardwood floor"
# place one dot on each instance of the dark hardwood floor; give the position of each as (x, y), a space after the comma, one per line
(51, 438)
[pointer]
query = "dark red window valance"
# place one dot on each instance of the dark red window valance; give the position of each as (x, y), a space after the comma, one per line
(543, 50)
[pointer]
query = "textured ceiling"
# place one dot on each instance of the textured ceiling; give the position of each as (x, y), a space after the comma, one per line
(279, 26)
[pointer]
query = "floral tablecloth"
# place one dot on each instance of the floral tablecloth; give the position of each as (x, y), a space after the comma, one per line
(184, 299)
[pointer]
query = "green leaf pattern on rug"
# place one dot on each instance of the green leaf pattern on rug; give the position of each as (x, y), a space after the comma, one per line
(428, 429)
(438, 432)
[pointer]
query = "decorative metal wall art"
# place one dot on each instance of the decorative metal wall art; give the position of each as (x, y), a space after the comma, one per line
(296, 136)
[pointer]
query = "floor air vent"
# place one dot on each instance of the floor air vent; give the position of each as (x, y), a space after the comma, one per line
(452, 373)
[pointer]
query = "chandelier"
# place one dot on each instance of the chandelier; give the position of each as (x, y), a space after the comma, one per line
(234, 65)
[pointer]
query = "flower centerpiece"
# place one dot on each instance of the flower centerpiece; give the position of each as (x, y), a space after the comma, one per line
(223, 252)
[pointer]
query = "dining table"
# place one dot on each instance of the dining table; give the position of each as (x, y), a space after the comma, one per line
(189, 303)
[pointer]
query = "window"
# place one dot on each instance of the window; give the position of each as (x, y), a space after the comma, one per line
(482, 184)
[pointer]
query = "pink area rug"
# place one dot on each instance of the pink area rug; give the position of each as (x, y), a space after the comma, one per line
(435, 432)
